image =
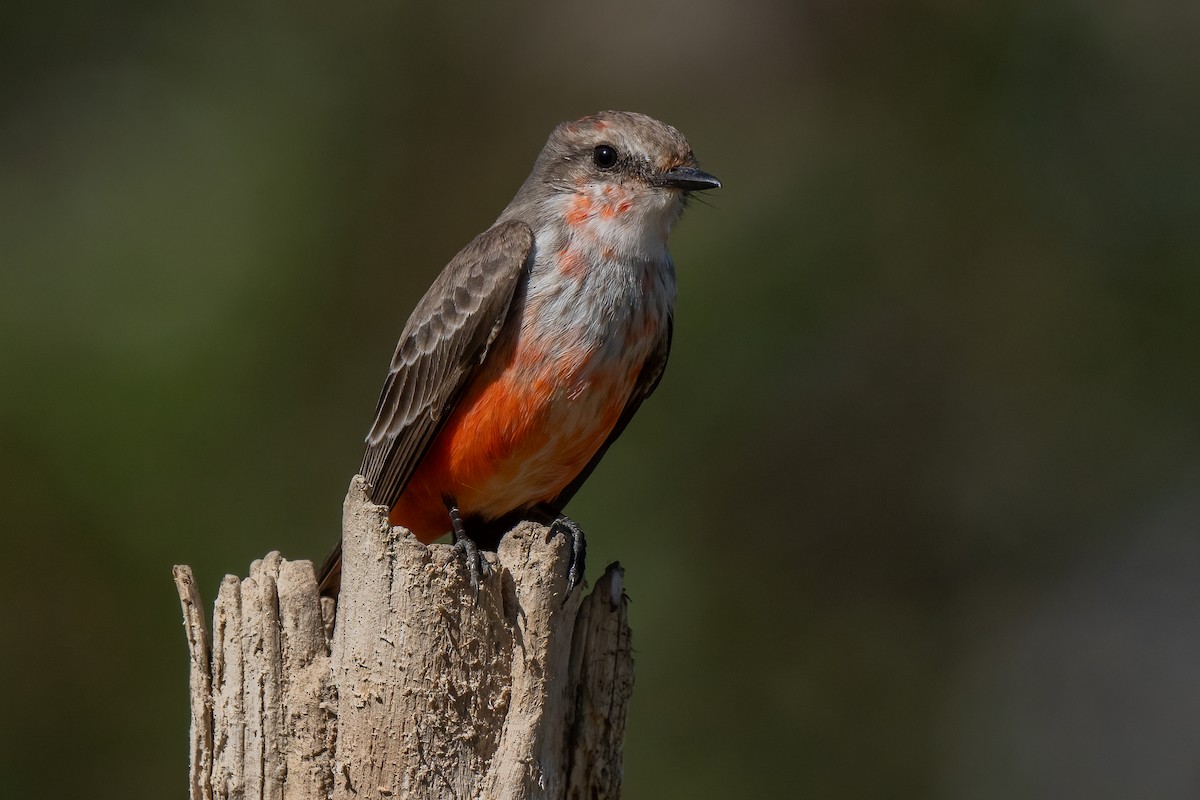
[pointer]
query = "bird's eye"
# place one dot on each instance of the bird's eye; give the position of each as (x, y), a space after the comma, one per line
(604, 156)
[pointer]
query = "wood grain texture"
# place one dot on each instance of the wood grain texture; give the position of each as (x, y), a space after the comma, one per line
(410, 688)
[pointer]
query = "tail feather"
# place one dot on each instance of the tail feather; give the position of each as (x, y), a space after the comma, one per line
(329, 577)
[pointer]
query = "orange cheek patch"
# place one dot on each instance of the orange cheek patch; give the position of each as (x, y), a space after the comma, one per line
(580, 210)
(615, 206)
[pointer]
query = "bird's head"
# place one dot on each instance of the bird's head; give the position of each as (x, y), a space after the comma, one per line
(615, 174)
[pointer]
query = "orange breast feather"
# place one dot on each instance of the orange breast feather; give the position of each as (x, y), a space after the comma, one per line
(524, 429)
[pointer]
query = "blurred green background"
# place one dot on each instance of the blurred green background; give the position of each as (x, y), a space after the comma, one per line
(914, 512)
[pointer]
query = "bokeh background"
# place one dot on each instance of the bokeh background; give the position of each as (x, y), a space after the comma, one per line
(915, 511)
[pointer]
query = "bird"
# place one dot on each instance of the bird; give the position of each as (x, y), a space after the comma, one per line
(536, 344)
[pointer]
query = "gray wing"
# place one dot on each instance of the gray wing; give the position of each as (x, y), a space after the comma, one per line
(444, 340)
(647, 382)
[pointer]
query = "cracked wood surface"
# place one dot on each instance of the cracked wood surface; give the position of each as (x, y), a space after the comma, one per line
(410, 689)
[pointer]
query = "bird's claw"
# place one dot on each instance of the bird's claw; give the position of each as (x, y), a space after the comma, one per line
(566, 526)
(477, 567)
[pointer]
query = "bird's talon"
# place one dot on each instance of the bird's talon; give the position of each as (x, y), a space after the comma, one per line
(477, 566)
(566, 526)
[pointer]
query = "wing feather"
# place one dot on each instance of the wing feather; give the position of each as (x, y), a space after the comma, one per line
(442, 343)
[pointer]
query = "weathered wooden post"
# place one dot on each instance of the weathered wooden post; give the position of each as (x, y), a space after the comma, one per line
(409, 688)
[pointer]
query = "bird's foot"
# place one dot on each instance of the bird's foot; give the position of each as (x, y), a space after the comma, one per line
(477, 566)
(566, 526)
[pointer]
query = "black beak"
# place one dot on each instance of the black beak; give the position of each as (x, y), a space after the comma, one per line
(689, 179)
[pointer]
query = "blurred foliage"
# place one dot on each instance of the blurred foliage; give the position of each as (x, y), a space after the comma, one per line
(914, 512)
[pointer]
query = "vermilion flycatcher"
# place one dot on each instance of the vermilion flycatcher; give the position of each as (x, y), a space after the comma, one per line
(537, 343)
